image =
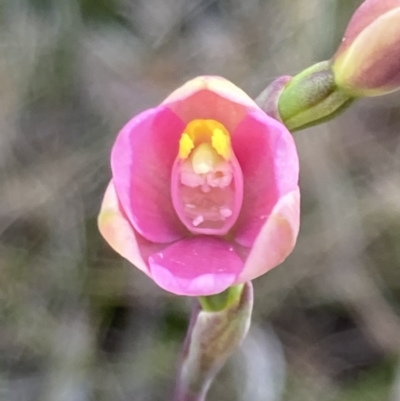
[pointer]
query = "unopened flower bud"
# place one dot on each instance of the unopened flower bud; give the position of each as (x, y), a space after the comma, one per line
(367, 62)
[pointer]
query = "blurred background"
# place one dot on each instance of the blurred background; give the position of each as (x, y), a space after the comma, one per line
(78, 323)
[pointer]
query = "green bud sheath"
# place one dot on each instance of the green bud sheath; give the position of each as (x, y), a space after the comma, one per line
(309, 98)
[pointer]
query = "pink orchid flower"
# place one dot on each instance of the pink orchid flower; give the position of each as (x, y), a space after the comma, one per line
(204, 191)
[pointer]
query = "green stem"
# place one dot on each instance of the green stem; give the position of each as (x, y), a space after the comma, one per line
(218, 302)
(215, 332)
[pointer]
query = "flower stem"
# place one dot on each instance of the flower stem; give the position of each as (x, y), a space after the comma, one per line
(218, 302)
(218, 325)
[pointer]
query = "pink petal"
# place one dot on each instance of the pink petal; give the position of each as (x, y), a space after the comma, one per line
(276, 239)
(268, 157)
(117, 231)
(120, 235)
(196, 266)
(141, 162)
(211, 97)
(212, 83)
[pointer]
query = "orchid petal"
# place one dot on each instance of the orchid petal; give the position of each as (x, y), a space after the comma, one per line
(267, 155)
(211, 97)
(196, 266)
(211, 83)
(117, 230)
(276, 239)
(141, 162)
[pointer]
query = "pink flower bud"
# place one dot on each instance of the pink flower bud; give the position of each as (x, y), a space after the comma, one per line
(367, 62)
(204, 191)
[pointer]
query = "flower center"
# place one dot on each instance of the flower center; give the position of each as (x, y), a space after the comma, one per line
(207, 181)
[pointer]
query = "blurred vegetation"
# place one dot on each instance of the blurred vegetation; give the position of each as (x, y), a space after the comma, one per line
(77, 322)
